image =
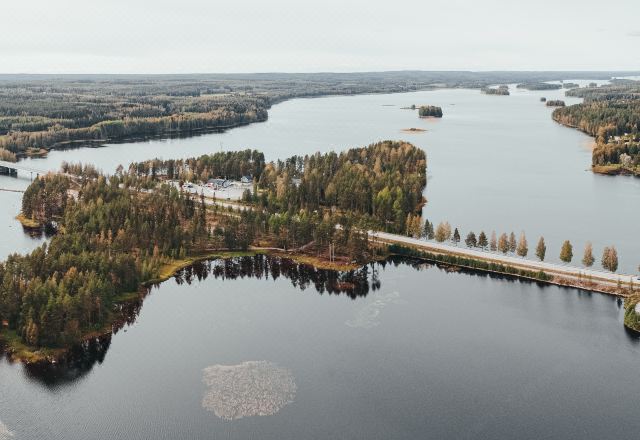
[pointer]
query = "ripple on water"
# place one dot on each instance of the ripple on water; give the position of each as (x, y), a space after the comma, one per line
(367, 316)
(253, 388)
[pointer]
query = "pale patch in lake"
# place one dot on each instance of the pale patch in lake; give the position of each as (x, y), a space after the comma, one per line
(367, 316)
(5, 434)
(253, 388)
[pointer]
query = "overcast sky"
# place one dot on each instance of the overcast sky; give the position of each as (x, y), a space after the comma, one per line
(183, 36)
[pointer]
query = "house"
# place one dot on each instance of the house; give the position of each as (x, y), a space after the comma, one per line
(246, 179)
(218, 183)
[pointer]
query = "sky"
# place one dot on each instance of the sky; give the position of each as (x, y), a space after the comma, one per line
(213, 36)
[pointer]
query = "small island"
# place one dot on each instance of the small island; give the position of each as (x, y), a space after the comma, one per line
(430, 111)
(539, 86)
(499, 91)
(555, 103)
(543, 99)
(413, 130)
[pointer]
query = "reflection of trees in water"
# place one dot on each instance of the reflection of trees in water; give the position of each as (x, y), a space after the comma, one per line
(82, 358)
(353, 283)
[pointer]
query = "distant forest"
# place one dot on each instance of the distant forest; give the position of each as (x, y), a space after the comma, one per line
(611, 114)
(40, 112)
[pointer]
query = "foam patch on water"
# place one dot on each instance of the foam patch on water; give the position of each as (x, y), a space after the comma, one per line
(253, 388)
(367, 316)
(5, 434)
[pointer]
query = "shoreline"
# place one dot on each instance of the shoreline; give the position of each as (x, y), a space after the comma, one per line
(604, 170)
(17, 351)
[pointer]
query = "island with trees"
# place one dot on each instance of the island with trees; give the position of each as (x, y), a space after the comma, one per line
(500, 90)
(539, 86)
(555, 103)
(430, 111)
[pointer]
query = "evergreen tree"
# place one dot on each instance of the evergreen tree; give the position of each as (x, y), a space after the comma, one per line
(482, 240)
(429, 232)
(456, 236)
(471, 240)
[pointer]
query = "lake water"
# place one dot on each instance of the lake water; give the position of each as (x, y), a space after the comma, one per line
(495, 163)
(396, 350)
(408, 351)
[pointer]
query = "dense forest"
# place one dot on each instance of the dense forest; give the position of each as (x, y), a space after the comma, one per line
(112, 239)
(611, 114)
(430, 111)
(381, 183)
(120, 231)
(39, 112)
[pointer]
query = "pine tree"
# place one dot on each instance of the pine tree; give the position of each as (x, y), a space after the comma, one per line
(456, 236)
(566, 253)
(523, 247)
(588, 259)
(482, 240)
(541, 249)
(428, 232)
(471, 240)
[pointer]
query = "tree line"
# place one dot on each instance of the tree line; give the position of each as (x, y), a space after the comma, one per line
(506, 243)
(381, 184)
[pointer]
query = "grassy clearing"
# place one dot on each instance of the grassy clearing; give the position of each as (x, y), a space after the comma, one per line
(28, 222)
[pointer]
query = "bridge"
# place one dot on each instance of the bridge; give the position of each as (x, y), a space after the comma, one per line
(12, 168)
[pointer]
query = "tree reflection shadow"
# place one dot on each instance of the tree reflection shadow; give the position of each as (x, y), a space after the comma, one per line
(81, 359)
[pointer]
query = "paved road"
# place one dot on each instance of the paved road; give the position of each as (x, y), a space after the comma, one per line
(506, 259)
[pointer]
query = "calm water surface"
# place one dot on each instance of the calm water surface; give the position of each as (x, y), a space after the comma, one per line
(495, 162)
(412, 352)
(391, 351)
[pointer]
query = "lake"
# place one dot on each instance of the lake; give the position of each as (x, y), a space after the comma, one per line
(495, 163)
(398, 350)
(265, 348)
